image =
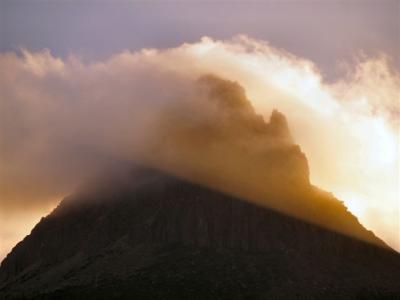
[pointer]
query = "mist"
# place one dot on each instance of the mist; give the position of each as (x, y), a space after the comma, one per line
(62, 120)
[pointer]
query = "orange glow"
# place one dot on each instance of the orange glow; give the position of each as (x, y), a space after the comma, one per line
(347, 129)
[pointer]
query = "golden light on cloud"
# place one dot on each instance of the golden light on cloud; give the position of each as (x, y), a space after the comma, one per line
(347, 129)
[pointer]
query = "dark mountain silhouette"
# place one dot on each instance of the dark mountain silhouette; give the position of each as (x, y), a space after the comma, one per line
(153, 236)
(244, 223)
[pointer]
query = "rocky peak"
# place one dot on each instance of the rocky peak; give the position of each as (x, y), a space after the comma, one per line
(279, 126)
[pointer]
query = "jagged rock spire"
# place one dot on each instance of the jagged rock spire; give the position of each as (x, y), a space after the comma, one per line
(279, 126)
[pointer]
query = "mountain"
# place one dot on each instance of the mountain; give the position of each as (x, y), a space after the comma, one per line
(224, 209)
(149, 235)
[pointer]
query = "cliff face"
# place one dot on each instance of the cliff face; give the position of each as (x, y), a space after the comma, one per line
(152, 220)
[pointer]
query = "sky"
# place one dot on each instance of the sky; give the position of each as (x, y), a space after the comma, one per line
(343, 43)
(324, 31)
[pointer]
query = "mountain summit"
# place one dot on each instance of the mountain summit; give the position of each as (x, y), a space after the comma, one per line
(226, 212)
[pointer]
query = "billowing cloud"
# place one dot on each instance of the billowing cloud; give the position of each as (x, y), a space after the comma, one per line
(62, 120)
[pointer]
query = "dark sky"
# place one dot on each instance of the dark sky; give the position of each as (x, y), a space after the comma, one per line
(323, 31)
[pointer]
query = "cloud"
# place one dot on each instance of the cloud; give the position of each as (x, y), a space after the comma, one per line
(63, 120)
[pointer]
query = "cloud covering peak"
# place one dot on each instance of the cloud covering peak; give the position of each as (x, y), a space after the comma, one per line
(62, 120)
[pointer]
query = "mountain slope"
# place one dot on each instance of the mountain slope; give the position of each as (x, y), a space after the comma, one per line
(153, 236)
